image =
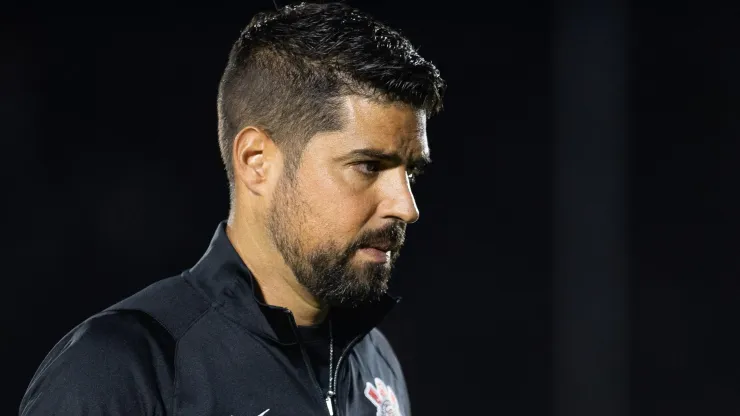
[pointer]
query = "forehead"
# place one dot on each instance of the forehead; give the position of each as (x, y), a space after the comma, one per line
(388, 127)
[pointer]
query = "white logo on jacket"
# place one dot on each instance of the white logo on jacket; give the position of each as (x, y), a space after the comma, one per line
(383, 398)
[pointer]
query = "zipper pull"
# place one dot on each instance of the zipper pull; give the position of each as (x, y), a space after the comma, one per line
(329, 406)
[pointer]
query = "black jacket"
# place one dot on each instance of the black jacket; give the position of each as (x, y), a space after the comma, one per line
(202, 343)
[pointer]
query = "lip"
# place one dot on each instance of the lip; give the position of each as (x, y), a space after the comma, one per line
(381, 245)
(381, 248)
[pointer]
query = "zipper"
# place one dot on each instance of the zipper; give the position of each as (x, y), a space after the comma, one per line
(312, 376)
(333, 387)
(307, 362)
(330, 402)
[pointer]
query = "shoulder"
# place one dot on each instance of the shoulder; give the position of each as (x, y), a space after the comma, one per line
(118, 334)
(377, 337)
(173, 303)
(382, 347)
(381, 343)
(114, 362)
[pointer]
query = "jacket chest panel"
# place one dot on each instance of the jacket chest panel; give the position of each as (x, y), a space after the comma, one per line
(234, 373)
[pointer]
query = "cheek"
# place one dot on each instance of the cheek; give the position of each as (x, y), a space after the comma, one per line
(335, 207)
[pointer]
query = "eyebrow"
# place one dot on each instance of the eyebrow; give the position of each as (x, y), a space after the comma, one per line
(392, 157)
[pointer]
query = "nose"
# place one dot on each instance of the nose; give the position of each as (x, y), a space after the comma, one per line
(398, 200)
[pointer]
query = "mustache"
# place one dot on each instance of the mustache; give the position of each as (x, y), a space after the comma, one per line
(388, 238)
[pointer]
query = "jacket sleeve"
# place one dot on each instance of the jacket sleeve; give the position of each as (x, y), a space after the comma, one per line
(113, 364)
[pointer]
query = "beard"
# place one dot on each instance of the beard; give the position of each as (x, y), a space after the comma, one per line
(327, 271)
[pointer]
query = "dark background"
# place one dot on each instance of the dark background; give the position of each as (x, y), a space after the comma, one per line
(576, 253)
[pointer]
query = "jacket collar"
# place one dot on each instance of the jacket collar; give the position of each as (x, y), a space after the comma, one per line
(223, 277)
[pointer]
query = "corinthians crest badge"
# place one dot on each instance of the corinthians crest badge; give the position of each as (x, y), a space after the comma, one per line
(383, 398)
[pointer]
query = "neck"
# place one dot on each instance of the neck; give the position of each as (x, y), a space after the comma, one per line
(276, 280)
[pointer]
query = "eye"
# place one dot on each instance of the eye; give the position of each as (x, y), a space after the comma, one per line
(368, 167)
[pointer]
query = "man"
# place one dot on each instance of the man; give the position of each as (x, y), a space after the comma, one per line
(322, 128)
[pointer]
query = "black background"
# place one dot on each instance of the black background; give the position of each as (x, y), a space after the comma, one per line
(113, 180)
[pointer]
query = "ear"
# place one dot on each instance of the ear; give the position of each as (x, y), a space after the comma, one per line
(254, 154)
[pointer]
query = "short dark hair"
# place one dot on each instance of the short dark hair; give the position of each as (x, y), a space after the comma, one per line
(288, 69)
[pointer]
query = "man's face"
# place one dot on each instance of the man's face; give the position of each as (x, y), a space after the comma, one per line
(341, 222)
